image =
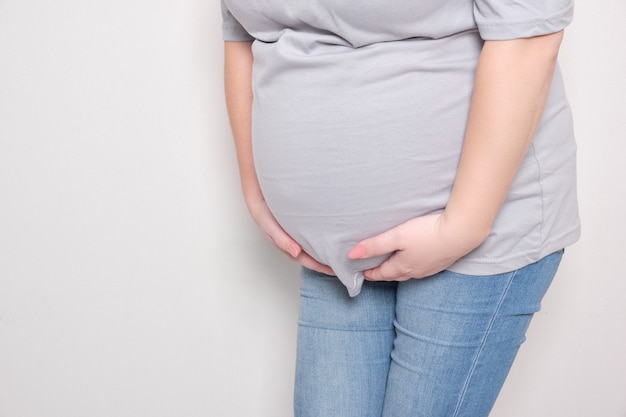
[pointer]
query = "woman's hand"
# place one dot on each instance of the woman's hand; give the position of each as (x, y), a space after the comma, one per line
(420, 247)
(277, 235)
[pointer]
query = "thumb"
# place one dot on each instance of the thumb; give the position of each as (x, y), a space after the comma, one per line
(382, 244)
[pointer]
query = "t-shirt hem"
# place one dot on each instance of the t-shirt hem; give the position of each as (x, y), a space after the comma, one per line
(511, 29)
(491, 266)
(232, 31)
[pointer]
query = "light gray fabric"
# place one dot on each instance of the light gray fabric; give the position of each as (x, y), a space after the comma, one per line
(359, 115)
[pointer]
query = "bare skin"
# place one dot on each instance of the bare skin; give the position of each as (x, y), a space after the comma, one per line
(511, 87)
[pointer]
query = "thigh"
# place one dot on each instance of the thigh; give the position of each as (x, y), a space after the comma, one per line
(457, 336)
(344, 347)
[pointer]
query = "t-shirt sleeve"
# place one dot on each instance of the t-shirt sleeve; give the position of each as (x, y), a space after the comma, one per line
(232, 30)
(512, 19)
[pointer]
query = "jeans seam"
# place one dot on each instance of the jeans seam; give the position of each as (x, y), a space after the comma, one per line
(482, 345)
(348, 329)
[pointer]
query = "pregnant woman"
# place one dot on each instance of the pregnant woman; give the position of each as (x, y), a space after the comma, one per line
(417, 158)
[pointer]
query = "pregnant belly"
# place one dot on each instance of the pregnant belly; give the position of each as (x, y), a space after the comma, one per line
(344, 158)
(355, 174)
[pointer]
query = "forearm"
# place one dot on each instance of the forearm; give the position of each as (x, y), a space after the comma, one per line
(238, 90)
(512, 83)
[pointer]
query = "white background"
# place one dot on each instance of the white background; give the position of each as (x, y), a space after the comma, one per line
(133, 283)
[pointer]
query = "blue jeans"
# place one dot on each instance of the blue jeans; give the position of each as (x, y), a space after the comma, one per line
(441, 346)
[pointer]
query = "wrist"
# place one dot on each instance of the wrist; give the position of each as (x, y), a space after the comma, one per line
(464, 231)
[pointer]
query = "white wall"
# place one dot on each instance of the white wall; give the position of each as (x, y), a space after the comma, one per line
(132, 282)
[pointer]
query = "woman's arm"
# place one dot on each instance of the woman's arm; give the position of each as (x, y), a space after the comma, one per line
(512, 83)
(238, 89)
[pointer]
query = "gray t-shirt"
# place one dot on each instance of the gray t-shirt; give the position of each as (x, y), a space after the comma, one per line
(359, 114)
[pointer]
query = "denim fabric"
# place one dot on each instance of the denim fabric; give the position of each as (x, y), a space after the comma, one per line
(436, 347)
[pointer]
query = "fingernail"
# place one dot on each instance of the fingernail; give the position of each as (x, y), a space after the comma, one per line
(294, 251)
(357, 252)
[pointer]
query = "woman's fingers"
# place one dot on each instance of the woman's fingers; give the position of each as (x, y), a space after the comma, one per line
(283, 241)
(381, 244)
(306, 260)
(393, 269)
(275, 233)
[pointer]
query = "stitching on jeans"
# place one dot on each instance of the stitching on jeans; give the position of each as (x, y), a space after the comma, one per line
(350, 330)
(482, 345)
